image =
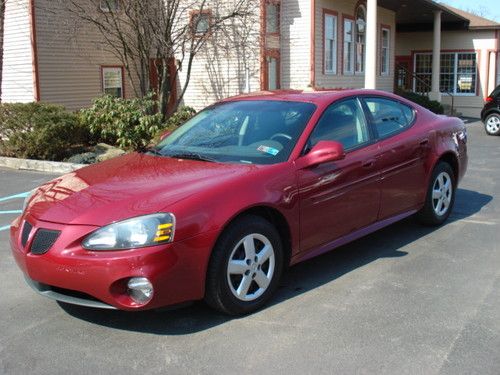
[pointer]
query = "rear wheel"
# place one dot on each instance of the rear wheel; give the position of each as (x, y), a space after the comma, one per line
(440, 196)
(492, 124)
(245, 267)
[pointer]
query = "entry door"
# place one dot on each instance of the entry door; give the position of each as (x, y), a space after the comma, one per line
(339, 197)
(402, 80)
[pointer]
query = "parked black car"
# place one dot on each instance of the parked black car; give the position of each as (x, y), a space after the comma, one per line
(490, 115)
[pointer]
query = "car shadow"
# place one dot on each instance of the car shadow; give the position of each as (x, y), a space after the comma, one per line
(302, 278)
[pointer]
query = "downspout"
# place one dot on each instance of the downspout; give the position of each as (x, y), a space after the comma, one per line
(34, 51)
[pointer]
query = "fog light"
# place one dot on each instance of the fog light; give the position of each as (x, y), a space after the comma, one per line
(140, 289)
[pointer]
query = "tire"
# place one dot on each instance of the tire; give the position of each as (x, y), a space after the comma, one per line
(237, 284)
(440, 196)
(492, 124)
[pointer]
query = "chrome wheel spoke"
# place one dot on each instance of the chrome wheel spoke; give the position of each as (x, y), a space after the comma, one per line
(264, 254)
(244, 286)
(262, 280)
(237, 267)
(249, 246)
(436, 194)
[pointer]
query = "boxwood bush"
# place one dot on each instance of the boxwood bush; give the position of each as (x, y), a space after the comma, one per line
(424, 101)
(129, 124)
(40, 131)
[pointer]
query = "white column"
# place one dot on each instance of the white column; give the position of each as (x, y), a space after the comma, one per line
(371, 45)
(435, 93)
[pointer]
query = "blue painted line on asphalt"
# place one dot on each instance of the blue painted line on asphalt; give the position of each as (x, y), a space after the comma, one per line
(4, 228)
(11, 212)
(15, 196)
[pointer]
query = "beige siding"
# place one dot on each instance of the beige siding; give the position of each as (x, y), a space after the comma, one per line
(70, 56)
(221, 68)
(357, 80)
(295, 44)
(17, 82)
(480, 41)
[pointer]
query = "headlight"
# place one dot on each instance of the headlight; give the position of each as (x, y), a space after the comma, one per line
(28, 198)
(143, 231)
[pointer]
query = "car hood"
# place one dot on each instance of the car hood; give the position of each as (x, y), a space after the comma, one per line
(128, 186)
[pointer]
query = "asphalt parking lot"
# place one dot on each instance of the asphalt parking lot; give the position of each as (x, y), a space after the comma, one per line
(405, 300)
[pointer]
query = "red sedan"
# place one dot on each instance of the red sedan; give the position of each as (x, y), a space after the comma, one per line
(220, 207)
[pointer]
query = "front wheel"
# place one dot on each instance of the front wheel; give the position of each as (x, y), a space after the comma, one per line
(492, 124)
(440, 196)
(245, 267)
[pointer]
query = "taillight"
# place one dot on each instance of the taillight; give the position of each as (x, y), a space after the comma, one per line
(489, 99)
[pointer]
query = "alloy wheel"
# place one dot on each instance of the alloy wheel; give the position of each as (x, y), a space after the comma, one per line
(251, 267)
(442, 192)
(493, 124)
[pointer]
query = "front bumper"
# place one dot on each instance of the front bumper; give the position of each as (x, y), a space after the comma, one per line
(71, 274)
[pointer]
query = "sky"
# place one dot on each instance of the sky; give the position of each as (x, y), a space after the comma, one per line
(484, 8)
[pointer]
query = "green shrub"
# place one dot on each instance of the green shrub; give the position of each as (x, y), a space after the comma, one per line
(129, 124)
(424, 101)
(39, 131)
(177, 119)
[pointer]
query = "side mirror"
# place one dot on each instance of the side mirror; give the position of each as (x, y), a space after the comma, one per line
(165, 135)
(324, 152)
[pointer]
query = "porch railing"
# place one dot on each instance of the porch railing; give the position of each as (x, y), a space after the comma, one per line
(404, 77)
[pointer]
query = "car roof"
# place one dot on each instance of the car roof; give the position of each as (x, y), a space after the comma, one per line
(322, 97)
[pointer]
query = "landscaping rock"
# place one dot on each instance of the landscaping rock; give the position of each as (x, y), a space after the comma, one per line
(85, 158)
(106, 152)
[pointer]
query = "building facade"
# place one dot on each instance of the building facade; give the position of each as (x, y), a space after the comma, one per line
(415, 45)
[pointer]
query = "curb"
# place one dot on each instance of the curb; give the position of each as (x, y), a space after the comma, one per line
(39, 165)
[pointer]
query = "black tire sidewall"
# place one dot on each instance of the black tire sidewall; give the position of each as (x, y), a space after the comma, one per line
(427, 215)
(218, 292)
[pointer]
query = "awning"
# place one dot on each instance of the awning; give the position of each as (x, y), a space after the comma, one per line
(418, 15)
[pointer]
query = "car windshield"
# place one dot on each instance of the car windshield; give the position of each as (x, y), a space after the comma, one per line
(252, 132)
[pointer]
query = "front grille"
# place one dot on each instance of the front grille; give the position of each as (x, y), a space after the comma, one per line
(26, 233)
(43, 241)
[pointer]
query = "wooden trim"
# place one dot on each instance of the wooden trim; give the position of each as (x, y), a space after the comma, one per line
(335, 14)
(358, 5)
(351, 18)
(102, 67)
(268, 52)
(273, 53)
(381, 36)
(34, 52)
(196, 12)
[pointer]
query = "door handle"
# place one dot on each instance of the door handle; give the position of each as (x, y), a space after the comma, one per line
(424, 142)
(368, 163)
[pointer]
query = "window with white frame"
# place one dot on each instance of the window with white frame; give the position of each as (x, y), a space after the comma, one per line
(458, 72)
(330, 28)
(348, 46)
(360, 39)
(385, 52)
(109, 5)
(112, 81)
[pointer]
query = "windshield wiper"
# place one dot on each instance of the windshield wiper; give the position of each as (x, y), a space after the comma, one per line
(150, 150)
(191, 156)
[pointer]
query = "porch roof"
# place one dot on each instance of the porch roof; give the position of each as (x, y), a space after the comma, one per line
(418, 15)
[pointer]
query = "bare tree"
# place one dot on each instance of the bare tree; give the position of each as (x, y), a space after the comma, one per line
(2, 21)
(169, 33)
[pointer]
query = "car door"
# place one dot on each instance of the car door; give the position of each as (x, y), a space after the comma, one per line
(402, 154)
(337, 198)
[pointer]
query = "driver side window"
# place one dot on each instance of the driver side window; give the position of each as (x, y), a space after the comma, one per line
(343, 122)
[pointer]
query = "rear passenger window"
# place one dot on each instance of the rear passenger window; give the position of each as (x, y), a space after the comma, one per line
(389, 116)
(343, 122)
